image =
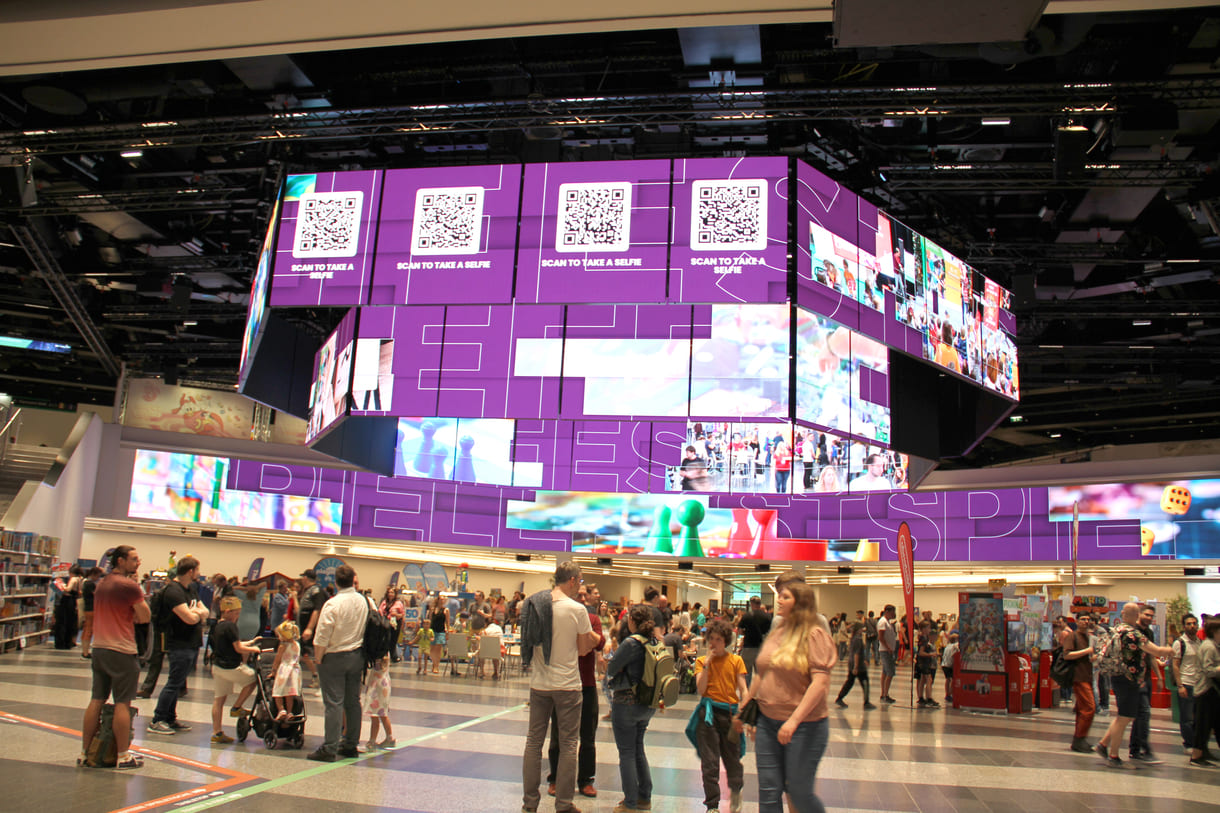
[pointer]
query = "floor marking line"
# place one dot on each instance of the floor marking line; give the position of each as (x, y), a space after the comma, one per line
(190, 763)
(325, 767)
(232, 777)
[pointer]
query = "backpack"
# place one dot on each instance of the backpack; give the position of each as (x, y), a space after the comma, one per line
(1062, 670)
(103, 751)
(1109, 655)
(659, 685)
(379, 635)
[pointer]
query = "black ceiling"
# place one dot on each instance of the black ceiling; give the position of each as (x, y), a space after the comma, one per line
(1107, 233)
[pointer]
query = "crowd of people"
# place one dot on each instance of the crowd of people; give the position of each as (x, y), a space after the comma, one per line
(757, 675)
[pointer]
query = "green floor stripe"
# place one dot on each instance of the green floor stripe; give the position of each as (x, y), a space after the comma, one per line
(323, 767)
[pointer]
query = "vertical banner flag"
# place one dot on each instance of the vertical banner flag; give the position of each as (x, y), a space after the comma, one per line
(394, 578)
(906, 563)
(256, 569)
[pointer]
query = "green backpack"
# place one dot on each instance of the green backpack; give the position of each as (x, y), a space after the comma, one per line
(659, 684)
(103, 751)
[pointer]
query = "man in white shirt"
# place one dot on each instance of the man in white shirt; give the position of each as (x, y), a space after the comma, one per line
(1186, 675)
(555, 687)
(338, 650)
(888, 637)
(874, 478)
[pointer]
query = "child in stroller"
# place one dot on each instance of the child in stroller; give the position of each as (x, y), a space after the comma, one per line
(262, 718)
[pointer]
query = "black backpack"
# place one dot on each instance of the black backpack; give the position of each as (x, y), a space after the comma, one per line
(380, 634)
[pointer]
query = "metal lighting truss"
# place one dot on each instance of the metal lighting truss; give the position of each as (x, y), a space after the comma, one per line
(709, 109)
(47, 269)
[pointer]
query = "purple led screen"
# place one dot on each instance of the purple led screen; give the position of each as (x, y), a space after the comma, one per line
(1010, 525)
(447, 235)
(327, 231)
(330, 395)
(407, 341)
(595, 231)
(730, 235)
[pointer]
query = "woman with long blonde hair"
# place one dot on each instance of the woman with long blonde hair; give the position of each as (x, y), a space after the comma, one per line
(791, 685)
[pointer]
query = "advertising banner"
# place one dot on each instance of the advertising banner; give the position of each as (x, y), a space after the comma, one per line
(324, 253)
(447, 236)
(981, 632)
(256, 570)
(906, 563)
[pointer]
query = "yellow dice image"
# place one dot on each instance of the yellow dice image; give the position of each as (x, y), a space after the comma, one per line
(1175, 500)
(1147, 537)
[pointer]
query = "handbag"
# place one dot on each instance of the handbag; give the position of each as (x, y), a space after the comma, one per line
(748, 714)
(1062, 670)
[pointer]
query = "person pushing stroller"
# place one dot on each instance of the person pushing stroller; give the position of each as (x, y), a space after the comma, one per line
(227, 672)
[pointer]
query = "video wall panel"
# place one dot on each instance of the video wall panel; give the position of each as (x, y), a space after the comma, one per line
(730, 235)
(327, 231)
(594, 231)
(572, 328)
(447, 235)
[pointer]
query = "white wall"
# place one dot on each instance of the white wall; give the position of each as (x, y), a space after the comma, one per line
(51, 427)
(60, 510)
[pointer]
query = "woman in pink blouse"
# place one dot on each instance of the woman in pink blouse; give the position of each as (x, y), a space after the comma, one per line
(393, 609)
(791, 684)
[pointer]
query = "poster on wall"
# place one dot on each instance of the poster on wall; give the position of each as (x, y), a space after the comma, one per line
(325, 571)
(981, 632)
(153, 404)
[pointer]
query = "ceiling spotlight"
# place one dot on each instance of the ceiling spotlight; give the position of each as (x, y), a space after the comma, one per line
(132, 153)
(996, 121)
(1141, 322)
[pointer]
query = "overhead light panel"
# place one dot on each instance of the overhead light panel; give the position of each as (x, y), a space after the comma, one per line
(132, 153)
(996, 121)
(488, 563)
(951, 580)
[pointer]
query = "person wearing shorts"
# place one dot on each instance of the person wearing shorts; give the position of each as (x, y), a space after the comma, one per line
(1132, 645)
(888, 636)
(118, 605)
(227, 672)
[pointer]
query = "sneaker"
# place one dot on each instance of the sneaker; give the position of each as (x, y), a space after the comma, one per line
(221, 738)
(839, 702)
(321, 755)
(1148, 759)
(734, 801)
(1102, 751)
(82, 761)
(129, 763)
(1115, 762)
(348, 753)
(888, 699)
(238, 711)
(1081, 746)
(870, 706)
(1201, 762)
(160, 727)
(179, 727)
(932, 704)
(643, 804)
(388, 742)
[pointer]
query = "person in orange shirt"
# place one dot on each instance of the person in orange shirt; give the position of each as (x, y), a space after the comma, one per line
(720, 680)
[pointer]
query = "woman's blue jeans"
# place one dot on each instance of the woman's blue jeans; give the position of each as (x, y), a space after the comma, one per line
(629, 722)
(790, 768)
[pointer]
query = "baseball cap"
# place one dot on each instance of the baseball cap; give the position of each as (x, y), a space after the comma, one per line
(230, 603)
(310, 574)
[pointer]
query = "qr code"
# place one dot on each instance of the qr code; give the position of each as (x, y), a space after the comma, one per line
(447, 220)
(594, 217)
(328, 224)
(728, 215)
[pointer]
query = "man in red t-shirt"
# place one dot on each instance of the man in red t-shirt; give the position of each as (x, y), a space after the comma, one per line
(118, 605)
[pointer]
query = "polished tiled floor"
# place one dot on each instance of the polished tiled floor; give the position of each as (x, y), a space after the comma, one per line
(460, 750)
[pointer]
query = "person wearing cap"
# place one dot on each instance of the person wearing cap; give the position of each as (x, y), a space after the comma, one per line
(228, 653)
(310, 599)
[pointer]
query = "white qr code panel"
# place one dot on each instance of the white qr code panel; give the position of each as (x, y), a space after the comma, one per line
(328, 224)
(594, 217)
(728, 215)
(447, 220)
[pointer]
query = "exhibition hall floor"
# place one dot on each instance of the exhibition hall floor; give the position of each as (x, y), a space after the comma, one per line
(460, 745)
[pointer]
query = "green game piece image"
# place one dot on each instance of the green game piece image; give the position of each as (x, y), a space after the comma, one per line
(660, 538)
(690, 514)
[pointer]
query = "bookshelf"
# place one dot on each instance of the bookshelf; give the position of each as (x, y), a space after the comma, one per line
(25, 588)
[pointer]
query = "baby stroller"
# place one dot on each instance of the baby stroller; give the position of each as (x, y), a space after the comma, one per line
(261, 718)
